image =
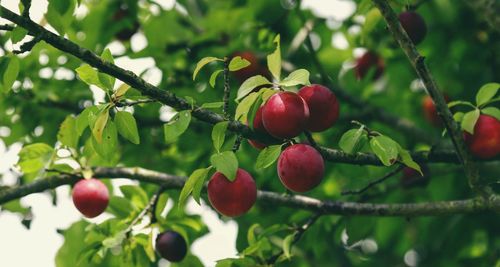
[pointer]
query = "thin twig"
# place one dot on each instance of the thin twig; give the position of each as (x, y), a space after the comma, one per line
(225, 108)
(417, 61)
(138, 102)
(237, 142)
(299, 232)
(26, 10)
(150, 208)
(377, 113)
(373, 182)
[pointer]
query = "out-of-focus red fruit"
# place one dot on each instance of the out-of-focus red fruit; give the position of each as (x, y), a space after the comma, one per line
(485, 142)
(411, 177)
(300, 167)
(90, 197)
(253, 69)
(323, 107)
(232, 198)
(258, 126)
(171, 246)
(368, 61)
(285, 115)
(414, 26)
(430, 112)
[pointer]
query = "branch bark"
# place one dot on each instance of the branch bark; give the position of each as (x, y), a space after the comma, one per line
(170, 99)
(417, 61)
(168, 181)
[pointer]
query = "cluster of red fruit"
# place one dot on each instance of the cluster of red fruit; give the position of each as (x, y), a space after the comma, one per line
(91, 197)
(300, 167)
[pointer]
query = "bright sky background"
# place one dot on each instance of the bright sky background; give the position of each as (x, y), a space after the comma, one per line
(38, 246)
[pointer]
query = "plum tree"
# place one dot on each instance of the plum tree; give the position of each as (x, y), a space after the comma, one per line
(323, 107)
(414, 26)
(368, 61)
(171, 246)
(300, 167)
(485, 141)
(285, 115)
(90, 197)
(232, 198)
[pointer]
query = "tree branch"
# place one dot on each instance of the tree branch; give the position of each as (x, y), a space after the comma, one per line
(373, 183)
(417, 61)
(473, 205)
(299, 232)
(377, 113)
(178, 103)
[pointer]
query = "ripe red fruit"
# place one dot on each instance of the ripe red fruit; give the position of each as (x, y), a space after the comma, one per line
(323, 107)
(258, 126)
(285, 115)
(411, 177)
(368, 61)
(414, 26)
(300, 167)
(485, 142)
(253, 69)
(90, 197)
(430, 112)
(232, 198)
(171, 246)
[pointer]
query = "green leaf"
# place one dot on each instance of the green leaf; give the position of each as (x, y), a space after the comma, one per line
(250, 84)
(486, 93)
(91, 77)
(458, 116)
(120, 206)
(72, 249)
(66, 134)
(287, 245)
(251, 239)
(353, 140)
(492, 111)
(407, 160)
(226, 163)
(34, 158)
(245, 105)
(10, 74)
(126, 126)
(202, 63)
(219, 134)
(82, 120)
(107, 148)
(177, 126)
(136, 195)
(458, 102)
(213, 77)
(122, 90)
(238, 63)
(61, 6)
(298, 77)
(213, 105)
(253, 111)
(18, 34)
(267, 156)
(193, 185)
(469, 120)
(100, 123)
(274, 60)
(385, 149)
